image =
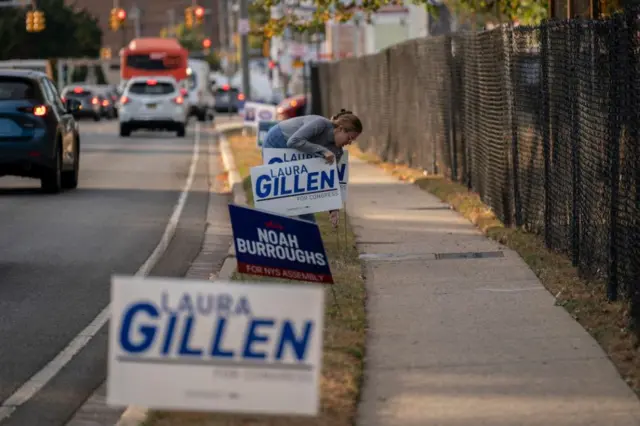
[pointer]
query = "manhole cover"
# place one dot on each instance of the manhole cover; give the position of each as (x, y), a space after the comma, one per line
(469, 255)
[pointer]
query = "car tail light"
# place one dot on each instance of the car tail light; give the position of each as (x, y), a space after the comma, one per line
(280, 110)
(63, 99)
(152, 82)
(178, 100)
(78, 90)
(294, 103)
(38, 110)
(183, 92)
(124, 100)
(241, 97)
(225, 87)
(94, 101)
(105, 103)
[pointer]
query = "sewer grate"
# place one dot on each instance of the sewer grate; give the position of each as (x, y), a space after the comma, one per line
(429, 208)
(377, 242)
(469, 255)
(394, 257)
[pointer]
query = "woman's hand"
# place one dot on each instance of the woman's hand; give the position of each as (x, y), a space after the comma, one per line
(334, 216)
(329, 157)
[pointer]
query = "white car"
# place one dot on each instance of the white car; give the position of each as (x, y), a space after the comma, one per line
(153, 103)
(200, 92)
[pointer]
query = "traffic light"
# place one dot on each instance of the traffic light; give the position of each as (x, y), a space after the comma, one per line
(199, 13)
(38, 21)
(30, 25)
(117, 18)
(188, 17)
(121, 15)
(206, 43)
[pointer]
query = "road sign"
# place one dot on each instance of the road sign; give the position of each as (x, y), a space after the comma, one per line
(243, 26)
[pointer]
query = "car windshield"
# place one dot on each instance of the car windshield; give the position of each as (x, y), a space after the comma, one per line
(16, 88)
(228, 91)
(192, 81)
(78, 94)
(155, 88)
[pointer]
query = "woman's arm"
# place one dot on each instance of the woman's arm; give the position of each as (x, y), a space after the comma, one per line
(300, 139)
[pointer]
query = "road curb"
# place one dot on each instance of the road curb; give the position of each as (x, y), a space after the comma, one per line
(135, 416)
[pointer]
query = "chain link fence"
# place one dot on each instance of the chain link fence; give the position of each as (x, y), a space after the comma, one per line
(542, 122)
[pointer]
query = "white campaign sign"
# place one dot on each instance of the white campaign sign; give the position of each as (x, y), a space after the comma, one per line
(178, 344)
(283, 155)
(301, 187)
(255, 112)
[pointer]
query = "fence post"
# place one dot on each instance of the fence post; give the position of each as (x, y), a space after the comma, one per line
(616, 63)
(546, 142)
(575, 45)
(453, 149)
(512, 104)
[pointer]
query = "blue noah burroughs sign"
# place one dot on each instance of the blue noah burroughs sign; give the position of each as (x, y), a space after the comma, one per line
(178, 344)
(263, 129)
(278, 246)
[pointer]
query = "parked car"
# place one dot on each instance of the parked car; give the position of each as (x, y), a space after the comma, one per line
(109, 99)
(294, 106)
(39, 136)
(200, 95)
(153, 103)
(90, 101)
(228, 99)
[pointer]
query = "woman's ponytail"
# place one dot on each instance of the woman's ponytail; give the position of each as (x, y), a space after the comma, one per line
(341, 113)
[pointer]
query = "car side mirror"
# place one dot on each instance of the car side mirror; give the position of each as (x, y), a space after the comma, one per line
(73, 105)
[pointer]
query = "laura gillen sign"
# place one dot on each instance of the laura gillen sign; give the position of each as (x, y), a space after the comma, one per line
(176, 344)
(283, 155)
(305, 186)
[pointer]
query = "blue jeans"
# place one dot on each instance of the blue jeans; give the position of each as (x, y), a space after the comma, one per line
(276, 139)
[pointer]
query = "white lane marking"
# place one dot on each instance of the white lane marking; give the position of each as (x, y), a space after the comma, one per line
(42, 377)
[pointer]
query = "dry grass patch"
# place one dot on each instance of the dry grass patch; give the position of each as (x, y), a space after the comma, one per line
(584, 299)
(344, 336)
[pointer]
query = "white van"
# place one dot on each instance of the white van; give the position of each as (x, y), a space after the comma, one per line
(200, 95)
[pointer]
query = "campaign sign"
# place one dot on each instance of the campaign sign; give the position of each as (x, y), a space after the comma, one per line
(295, 188)
(178, 344)
(255, 112)
(277, 246)
(263, 129)
(281, 155)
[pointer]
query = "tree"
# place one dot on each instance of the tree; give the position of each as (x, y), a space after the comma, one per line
(191, 39)
(67, 34)
(527, 12)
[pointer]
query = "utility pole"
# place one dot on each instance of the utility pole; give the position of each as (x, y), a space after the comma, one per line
(172, 22)
(243, 29)
(222, 24)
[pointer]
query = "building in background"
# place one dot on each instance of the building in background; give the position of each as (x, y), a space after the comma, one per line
(154, 15)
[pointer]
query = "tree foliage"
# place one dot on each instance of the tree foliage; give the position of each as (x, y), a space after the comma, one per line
(191, 39)
(528, 12)
(68, 33)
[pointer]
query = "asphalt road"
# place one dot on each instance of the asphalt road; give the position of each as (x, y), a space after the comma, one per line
(58, 252)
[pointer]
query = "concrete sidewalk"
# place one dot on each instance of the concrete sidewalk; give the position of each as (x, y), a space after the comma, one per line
(466, 341)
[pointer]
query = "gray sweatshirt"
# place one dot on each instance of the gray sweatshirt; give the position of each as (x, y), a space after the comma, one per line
(312, 134)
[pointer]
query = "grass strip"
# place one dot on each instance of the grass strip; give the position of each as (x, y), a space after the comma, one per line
(345, 326)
